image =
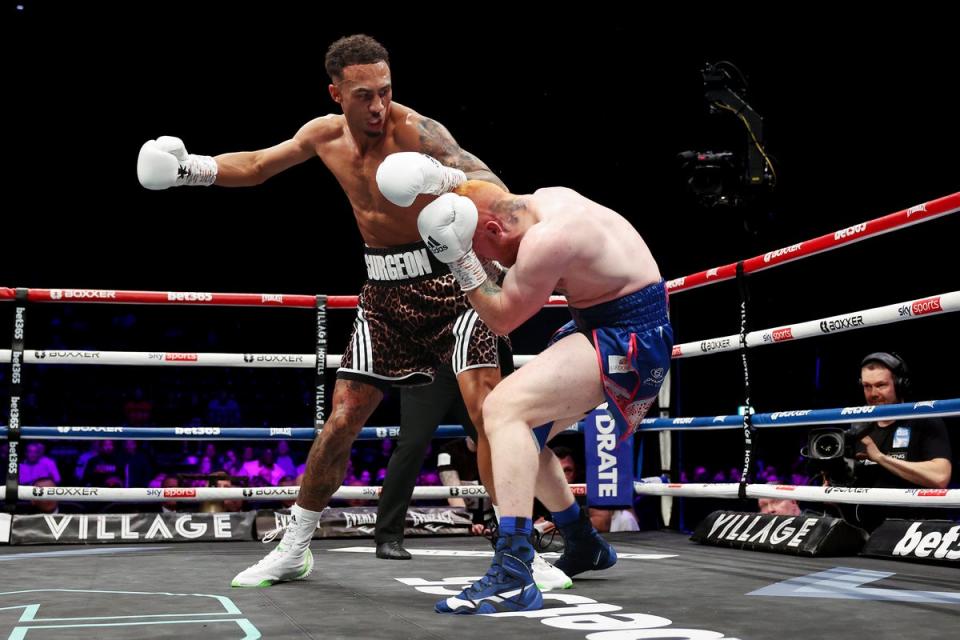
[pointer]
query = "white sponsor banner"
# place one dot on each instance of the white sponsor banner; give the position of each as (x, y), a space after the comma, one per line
(131, 527)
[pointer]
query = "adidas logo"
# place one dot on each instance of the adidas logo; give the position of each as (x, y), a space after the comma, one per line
(435, 246)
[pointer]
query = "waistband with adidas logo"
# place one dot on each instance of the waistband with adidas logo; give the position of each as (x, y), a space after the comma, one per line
(402, 264)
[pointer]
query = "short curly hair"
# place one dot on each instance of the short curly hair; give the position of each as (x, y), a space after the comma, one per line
(350, 50)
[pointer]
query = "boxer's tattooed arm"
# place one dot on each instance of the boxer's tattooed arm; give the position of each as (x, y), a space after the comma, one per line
(436, 141)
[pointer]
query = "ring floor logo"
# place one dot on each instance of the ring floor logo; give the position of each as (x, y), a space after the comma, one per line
(848, 583)
(577, 613)
(51, 612)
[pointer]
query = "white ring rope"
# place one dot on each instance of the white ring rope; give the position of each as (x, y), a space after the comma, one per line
(897, 312)
(187, 359)
(944, 498)
(198, 494)
(941, 498)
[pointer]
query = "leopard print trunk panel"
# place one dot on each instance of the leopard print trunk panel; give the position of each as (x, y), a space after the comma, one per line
(402, 332)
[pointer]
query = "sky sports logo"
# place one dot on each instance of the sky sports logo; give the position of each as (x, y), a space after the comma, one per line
(925, 306)
(179, 493)
(779, 335)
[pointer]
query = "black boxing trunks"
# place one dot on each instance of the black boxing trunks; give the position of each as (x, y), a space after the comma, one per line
(411, 316)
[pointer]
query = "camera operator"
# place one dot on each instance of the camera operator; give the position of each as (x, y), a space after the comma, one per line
(912, 453)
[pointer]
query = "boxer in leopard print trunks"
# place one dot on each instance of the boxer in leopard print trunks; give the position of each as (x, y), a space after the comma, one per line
(403, 329)
(411, 317)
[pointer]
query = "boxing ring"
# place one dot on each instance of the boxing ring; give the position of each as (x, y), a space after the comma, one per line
(663, 586)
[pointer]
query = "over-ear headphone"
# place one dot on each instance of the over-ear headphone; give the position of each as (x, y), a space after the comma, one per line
(892, 361)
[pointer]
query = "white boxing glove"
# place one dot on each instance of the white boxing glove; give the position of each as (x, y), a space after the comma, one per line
(403, 176)
(447, 226)
(165, 163)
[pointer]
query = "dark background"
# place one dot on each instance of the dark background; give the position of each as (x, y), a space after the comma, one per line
(861, 120)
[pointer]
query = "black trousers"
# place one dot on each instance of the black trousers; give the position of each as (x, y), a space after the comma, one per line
(422, 410)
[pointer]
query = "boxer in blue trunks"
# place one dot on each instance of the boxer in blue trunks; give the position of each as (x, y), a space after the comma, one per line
(617, 349)
(637, 325)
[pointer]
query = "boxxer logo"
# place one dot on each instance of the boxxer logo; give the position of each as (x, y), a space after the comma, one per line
(771, 255)
(714, 345)
(467, 492)
(82, 294)
(842, 323)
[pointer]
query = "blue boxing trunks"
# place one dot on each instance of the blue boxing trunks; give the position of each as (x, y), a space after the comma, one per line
(633, 340)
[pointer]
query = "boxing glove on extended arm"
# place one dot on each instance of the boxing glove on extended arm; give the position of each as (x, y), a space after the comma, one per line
(165, 163)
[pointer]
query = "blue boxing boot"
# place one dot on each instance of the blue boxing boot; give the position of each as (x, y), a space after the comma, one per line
(508, 585)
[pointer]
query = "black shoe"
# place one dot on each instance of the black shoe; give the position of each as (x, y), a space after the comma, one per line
(584, 549)
(392, 550)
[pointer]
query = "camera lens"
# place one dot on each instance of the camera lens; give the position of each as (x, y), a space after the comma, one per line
(827, 445)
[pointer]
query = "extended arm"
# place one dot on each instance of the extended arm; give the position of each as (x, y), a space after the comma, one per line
(165, 163)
